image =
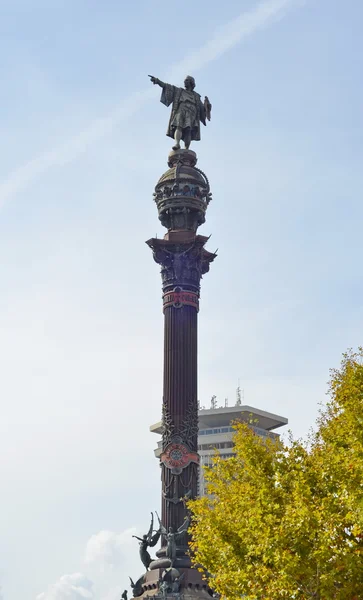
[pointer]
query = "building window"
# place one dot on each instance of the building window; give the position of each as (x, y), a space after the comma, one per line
(216, 445)
(215, 430)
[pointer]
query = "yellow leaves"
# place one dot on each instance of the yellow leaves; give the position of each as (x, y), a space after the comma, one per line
(286, 521)
(356, 531)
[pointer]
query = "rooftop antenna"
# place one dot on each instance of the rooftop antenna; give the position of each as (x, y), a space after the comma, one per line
(213, 402)
(225, 402)
(238, 395)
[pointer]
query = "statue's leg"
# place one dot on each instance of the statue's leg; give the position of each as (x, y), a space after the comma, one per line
(187, 137)
(177, 138)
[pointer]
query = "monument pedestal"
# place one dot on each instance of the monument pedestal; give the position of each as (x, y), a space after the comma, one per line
(191, 584)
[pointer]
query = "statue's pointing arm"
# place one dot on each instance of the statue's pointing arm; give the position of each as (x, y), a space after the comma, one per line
(157, 81)
(168, 93)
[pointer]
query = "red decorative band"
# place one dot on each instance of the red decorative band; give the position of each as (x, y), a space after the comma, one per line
(179, 297)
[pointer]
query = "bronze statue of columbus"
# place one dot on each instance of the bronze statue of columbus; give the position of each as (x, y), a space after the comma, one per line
(188, 110)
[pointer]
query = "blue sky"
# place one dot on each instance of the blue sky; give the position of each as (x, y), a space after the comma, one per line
(83, 144)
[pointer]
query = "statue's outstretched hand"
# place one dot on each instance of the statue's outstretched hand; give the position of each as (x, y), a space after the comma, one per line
(153, 79)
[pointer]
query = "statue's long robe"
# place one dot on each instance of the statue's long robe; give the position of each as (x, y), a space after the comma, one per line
(172, 94)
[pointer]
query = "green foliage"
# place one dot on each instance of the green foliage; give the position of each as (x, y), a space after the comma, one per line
(285, 521)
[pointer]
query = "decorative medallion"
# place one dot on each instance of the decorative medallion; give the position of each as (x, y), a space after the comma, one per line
(177, 457)
(179, 298)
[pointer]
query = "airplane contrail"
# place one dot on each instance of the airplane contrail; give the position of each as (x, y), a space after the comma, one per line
(227, 37)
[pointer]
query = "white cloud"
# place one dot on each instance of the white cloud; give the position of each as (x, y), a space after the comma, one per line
(107, 549)
(70, 587)
(104, 552)
(112, 594)
(246, 24)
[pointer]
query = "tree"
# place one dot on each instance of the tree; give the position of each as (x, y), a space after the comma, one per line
(285, 520)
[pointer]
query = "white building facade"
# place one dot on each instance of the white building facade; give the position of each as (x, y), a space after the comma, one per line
(216, 432)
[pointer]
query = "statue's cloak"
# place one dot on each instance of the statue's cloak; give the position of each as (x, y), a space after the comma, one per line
(172, 94)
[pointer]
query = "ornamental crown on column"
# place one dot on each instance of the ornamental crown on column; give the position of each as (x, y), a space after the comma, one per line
(182, 195)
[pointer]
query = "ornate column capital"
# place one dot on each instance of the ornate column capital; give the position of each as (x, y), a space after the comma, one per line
(182, 266)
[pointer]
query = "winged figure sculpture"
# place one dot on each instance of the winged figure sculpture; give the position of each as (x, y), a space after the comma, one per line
(172, 537)
(148, 540)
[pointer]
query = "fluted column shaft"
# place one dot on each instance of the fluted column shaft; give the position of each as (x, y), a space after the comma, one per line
(183, 261)
(180, 396)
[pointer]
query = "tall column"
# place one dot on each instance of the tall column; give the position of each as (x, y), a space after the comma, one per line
(182, 196)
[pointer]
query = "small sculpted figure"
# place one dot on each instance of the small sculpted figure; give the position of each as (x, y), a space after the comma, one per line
(175, 586)
(188, 110)
(164, 589)
(137, 587)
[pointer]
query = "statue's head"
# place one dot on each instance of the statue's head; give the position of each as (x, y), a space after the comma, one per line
(189, 82)
(144, 537)
(171, 530)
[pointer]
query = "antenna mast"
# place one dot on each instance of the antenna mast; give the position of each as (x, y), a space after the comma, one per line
(239, 395)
